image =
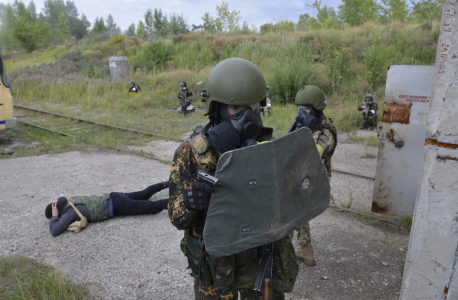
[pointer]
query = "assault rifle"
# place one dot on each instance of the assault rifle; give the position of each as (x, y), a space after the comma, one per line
(264, 278)
(366, 109)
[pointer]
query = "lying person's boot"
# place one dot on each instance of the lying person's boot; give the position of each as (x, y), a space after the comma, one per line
(306, 255)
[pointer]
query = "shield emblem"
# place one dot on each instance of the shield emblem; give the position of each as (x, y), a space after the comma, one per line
(266, 192)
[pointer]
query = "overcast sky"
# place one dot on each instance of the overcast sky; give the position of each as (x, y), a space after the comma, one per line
(255, 12)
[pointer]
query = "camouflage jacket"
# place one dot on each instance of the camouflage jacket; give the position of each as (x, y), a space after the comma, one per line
(372, 107)
(191, 157)
(327, 141)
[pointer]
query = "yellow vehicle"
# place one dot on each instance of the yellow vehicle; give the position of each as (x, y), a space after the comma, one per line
(7, 119)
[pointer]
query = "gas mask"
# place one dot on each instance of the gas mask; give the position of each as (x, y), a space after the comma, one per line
(304, 119)
(238, 130)
(247, 123)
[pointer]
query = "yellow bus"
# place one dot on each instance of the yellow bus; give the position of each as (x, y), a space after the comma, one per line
(7, 119)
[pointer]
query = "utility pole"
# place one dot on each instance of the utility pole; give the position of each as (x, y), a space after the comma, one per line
(431, 268)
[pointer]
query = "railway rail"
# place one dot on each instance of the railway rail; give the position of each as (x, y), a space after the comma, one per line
(135, 131)
(95, 123)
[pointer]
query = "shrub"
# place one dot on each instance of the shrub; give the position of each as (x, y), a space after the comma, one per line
(68, 45)
(94, 54)
(117, 38)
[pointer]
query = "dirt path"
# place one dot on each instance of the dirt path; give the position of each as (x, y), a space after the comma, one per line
(139, 257)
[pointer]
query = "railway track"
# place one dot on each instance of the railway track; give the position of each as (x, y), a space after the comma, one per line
(134, 131)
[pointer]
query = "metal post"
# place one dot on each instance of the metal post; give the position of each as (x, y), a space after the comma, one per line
(431, 269)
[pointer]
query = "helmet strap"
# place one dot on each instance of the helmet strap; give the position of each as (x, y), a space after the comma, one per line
(320, 125)
(214, 116)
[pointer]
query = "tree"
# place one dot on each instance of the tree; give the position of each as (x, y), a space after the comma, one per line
(394, 10)
(301, 24)
(131, 30)
(211, 24)
(62, 30)
(149, 23)
(229, 19)
(99, 26)
(160, 22)
(245, 28)
(81, 28)
(52, 10)
(265, 28)
(141, 30)
(112, 27)
(177, 24)
(427, 9)
(357, 12)
(324, 13)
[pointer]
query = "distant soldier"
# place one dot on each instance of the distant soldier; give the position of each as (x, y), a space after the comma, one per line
(184, 95)
(369, 111)
(267, 108)
(311, 103)
(74, 213)
(134, 88)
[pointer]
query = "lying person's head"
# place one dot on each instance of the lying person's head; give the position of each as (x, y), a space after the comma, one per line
(58, 205)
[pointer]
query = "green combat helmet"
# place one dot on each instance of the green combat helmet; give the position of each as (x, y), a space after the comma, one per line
(234, 81)
(311, 95)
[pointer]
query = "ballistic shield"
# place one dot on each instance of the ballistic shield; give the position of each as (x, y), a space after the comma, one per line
(266, 192)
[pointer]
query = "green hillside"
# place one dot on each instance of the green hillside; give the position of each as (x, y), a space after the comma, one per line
(346, 63)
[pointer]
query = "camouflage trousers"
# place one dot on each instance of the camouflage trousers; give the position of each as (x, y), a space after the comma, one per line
(369, 122)
(266, 111)
(303, 235)
(204, 292)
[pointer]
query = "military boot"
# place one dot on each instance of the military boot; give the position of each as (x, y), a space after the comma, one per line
(306, 255)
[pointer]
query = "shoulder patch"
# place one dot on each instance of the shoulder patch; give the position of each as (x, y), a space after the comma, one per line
(199, 144)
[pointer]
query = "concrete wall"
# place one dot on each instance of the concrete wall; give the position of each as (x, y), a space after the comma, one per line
(119, 67)
(431, 264)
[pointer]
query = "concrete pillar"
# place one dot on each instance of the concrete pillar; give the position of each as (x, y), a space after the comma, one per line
(119, 67)
(431, 265)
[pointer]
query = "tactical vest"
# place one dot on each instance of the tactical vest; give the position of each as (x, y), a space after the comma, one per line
(224, 272)
(94, 205)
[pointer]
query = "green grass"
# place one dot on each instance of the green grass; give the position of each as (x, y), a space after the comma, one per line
(21, 60)
(34, 141)
(366, 140)
(23, 278)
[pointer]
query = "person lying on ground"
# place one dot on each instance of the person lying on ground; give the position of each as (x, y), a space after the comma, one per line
(99, 208)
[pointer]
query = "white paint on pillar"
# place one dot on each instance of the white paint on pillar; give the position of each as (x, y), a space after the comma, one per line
(431, 270)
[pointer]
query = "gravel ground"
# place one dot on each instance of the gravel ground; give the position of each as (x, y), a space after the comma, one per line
(139, 257)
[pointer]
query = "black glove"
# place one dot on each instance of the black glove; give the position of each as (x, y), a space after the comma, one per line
(197, 196)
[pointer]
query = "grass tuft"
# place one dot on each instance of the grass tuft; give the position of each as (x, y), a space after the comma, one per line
(23, 278)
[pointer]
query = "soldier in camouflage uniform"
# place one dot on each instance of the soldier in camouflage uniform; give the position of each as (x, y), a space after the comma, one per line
(235, 90)
(107, 206)
(134, 88)
(184, 95)
(311, 103)
(369, 111)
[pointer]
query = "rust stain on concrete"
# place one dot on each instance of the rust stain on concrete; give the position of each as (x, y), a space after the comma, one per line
(378, 209)
(433, 142)
(396, 113)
